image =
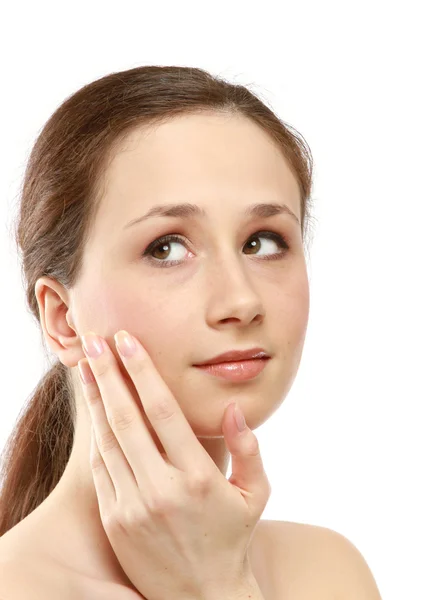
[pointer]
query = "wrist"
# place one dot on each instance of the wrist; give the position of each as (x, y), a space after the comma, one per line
(247, 589)
(250, 591)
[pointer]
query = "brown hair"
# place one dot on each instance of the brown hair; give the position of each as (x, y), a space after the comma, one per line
(59, 198)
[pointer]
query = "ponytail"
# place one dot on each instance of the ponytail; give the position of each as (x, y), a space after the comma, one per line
(37, 451)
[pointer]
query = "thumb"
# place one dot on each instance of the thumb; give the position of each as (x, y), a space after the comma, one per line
(248, 473)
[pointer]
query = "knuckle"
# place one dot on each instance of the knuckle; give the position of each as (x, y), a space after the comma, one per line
(106, 441)
(160, 499)
(119, 420)
(133, 516)
(109, 521)
(97, 462)
(101, 368)
(160, 505)
(93, 396)
(253, 446)
(269, 488)
(139, 366)
(161, 410)
(199, 483)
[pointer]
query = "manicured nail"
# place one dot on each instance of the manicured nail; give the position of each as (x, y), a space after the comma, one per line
(125, 343)
(240, 420)
(92, 345)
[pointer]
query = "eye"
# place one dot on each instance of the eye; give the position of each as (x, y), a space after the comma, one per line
(161, 247)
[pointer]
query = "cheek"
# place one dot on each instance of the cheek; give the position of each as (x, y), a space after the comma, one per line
(155, 319)
(293, 308)
(108, 308)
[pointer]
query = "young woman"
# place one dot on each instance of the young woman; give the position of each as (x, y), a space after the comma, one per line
(173, 205)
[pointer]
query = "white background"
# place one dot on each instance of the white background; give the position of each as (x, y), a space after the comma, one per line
(356, 445)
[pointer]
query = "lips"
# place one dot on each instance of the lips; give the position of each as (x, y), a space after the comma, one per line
(236, 371)
(235, 356)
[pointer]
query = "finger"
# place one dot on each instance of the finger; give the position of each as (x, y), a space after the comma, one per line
(248, 472)
(113, 476)
(102, 480)
(162, 409)
(126, 428)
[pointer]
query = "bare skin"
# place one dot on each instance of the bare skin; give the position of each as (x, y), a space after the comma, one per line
(222, 294)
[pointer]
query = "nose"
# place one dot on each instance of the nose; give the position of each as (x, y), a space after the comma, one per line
(234, 297)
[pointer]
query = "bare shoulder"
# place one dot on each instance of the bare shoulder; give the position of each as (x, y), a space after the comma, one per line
(318, 563)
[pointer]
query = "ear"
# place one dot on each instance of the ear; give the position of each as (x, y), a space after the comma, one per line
(56, 321)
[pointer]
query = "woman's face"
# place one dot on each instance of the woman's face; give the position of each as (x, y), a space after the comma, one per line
(228, 287)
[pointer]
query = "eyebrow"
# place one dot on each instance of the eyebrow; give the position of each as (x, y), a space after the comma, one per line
(190, 211)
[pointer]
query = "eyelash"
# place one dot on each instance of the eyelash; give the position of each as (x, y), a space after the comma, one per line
(280, 239)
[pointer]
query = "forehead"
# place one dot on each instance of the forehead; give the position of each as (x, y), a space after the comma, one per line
(221, 162)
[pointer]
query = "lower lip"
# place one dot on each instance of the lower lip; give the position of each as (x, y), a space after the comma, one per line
(236, 371)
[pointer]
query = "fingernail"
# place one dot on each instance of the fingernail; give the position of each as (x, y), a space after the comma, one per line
(240, 420)
(125, 343)
(92, 345)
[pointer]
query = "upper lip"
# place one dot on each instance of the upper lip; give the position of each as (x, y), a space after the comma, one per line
(236, 355)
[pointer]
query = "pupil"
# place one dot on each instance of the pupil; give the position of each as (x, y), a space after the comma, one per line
(253, 243)
(161, 248)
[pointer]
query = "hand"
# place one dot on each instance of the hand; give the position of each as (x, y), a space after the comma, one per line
(176, 525)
